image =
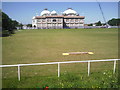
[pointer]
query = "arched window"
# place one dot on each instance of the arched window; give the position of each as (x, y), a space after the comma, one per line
(54, 20)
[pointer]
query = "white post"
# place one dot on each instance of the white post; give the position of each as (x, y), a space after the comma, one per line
(88, 68)
(58, 69)
(114, 66)
(18, 72)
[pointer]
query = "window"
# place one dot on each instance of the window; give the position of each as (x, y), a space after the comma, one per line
(54, 20)
(72, 20)
(33, 20)
(67, 20)
(48, 20)
(59, 20)
(76, 20)
(38, 20)
(43, 20)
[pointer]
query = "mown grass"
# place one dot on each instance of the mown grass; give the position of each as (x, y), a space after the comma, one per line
(38, 46)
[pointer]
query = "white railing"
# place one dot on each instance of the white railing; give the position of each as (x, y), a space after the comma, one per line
(88, 61)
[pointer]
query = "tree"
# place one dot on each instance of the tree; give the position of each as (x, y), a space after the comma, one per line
(0, 23)
(8, 25)
(29, 25)
(114, 22)
(98, 23)
(5, 21)
(20, 25)
(15, 24)
(90, 24)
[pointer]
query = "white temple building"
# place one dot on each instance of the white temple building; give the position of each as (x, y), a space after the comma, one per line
(51, 20)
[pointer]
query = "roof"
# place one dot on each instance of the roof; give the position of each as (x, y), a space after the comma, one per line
(55, 16)
(74, 17)
(38, 17)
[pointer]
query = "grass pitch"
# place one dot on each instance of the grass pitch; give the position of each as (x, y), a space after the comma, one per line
(38, 46)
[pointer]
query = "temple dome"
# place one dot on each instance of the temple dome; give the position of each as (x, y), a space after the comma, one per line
(33, 17)
(53, 12)
(70, 11)
(45, 12)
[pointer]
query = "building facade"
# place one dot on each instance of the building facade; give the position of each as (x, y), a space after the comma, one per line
(51, 20)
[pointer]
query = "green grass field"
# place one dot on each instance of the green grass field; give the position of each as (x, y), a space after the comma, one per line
(38, 46)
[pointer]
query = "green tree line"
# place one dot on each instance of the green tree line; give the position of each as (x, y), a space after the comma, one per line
(8, 25)
(112, 22)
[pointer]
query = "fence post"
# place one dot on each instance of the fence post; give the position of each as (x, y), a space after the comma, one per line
(19, 72)
(88, 68)
(114, 66)
(58, 69)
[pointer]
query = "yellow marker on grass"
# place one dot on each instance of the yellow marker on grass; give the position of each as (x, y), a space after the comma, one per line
(77, 53)
(90, 53)
(65, 54)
